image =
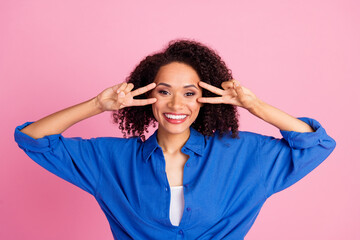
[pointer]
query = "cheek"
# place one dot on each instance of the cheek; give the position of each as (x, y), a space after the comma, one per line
(195, 106)
(156, 107)
(154, 112)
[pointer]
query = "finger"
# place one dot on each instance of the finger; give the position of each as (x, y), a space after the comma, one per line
(120, 97)
(214, 100)
(238, 89)
(122, 86)
(142, 102)
(128, 88)
(142, 90)
(227, 84)
(116, 87)
(236, 83)
(211, 88)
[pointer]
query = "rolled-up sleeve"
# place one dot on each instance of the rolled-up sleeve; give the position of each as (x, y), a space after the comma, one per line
(285, 161)
(75, 160)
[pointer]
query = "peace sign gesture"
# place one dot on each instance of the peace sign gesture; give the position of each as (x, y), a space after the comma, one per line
(232, 93)
(120, 96)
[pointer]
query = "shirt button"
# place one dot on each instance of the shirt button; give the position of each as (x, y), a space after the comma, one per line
(188, 164)
(188, 209)
(186, 185)
(181, 232)
(166, 189)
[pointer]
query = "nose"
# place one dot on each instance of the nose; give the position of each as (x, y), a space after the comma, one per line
(176, 102)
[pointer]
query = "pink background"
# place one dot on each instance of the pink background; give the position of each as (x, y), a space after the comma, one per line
(300, 56)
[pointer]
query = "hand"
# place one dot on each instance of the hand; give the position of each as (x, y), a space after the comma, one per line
(120, 96)
(232, 93)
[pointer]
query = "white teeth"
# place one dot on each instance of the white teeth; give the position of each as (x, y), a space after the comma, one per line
(175, 116)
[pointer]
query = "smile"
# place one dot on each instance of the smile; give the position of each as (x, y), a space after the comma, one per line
(175, 118)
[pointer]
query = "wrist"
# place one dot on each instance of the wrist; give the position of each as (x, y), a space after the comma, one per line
(97, 105)
(256, 107)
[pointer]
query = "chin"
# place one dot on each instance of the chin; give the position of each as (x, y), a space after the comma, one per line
(174, 129)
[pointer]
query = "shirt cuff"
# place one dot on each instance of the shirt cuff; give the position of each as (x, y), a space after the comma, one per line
(304, 140)
(35, 145)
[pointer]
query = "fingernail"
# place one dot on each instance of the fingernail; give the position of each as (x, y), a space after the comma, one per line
(122, 94)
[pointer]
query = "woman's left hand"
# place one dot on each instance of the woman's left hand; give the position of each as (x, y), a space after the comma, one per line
(232, 93)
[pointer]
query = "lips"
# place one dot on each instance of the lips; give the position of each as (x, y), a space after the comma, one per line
(175, 118)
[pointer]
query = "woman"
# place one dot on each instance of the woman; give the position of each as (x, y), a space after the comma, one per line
(197, 176)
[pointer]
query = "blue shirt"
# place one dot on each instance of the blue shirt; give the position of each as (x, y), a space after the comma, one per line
(226, 181)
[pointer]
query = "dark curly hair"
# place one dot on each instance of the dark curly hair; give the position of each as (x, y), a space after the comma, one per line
(134, 121)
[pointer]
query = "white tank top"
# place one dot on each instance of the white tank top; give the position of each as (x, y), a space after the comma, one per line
(176, 204)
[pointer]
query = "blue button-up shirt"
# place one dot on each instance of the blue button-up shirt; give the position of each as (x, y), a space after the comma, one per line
(226, 180)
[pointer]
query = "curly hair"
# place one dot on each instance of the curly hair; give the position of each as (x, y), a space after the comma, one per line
(134, 121)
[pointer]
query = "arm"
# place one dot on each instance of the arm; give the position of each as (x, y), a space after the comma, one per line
(113, 98)
(240, 96)
(76, 160)
(278, 118)
(282, 162)
(59, 121)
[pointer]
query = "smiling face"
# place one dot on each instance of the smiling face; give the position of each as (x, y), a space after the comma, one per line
(176, 92)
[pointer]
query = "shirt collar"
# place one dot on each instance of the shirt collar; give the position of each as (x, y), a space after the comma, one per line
(195, 143)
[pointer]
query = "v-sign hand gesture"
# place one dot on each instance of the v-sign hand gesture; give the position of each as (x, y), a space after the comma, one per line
(120, 96)
(232, 93)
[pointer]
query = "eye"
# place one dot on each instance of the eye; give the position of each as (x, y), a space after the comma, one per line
(163, 92)
(190, 94)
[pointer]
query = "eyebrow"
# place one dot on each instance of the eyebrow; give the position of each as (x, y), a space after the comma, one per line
(187, 86)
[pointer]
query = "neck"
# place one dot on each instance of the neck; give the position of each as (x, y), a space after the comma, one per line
(172, 143)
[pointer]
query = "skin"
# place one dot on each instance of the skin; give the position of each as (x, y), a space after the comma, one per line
(178, 90)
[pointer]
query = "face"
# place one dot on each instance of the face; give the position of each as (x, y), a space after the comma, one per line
(176, 91)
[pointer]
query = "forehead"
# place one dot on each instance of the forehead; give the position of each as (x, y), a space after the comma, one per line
(177, 74)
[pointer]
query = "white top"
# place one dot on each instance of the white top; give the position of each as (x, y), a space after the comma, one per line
(176, 205)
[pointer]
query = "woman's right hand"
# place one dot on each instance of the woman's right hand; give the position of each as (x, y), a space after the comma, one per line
(120, 96)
